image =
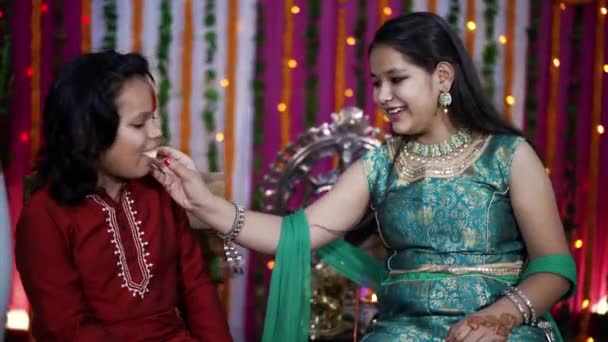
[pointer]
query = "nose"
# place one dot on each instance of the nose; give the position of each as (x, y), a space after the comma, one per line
(154, 129)
(384, 94)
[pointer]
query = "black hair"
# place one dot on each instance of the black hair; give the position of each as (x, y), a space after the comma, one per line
(425, 40)
(81, 121)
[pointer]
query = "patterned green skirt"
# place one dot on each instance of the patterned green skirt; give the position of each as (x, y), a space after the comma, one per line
(423, 307)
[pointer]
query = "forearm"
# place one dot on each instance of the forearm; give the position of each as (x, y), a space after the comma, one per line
(541, 296)
(260, 231)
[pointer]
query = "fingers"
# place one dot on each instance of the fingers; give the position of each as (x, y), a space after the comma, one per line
(179, 169)
(174, 154)
(492, 338)
(459, 333)
(474, 336)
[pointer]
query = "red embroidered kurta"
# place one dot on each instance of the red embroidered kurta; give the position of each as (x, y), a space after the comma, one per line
(108, 271)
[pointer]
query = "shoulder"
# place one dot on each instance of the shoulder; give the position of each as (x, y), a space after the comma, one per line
(41, 218)
(383, 152)
(502, 148)
(41, 205)
(526, 161)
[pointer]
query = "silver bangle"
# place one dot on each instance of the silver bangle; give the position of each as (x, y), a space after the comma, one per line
(528, 304)
(233, 257)
(509, 293)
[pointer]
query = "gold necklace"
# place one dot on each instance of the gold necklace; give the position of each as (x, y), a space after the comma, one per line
(456, 142)
(412, 167)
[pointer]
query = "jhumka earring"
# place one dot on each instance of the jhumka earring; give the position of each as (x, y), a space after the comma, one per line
(445, 99)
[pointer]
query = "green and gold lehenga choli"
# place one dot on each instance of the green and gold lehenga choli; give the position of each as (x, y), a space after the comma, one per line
(453, 244)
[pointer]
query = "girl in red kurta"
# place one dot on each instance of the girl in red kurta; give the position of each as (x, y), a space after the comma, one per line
(103, 252)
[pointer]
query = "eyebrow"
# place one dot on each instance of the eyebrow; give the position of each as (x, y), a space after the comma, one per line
(144, 114)
(391, 71)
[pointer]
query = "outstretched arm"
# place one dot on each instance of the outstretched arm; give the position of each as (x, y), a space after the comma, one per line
(332, 215)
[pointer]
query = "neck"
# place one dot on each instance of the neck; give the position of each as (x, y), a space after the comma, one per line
(111, 185)
(440, 132)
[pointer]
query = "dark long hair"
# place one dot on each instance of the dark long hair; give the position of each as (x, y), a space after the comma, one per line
(81, 121)
(425, 40)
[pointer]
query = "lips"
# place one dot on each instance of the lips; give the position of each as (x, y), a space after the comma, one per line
(394, 110)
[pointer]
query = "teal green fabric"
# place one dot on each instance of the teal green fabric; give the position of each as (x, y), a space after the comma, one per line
(560, 264)
(354, 264)
(463, 220)
(288, 308)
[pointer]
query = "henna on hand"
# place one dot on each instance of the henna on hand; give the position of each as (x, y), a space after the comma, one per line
(501, 326)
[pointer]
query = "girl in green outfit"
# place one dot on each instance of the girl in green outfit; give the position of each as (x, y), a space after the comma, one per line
(476, 248)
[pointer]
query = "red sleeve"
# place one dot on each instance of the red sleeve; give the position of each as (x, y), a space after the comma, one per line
(204, 313)
(51, 282)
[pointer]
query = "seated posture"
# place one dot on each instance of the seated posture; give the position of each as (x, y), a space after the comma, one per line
(103, 251)
(475, 247)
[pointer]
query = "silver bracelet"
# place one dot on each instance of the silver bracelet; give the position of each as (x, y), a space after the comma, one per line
(509, 293)
(528, 304)
(234, 259)
(547, 328)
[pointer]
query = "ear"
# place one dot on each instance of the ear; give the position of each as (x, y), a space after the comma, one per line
(444, 75)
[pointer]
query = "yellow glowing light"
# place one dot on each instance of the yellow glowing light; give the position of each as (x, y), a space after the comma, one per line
(604, 11)
(224, 83)
(374, 298)
(510, 100)
(606, 68)
(281, 107)
(292, 63)
(471, 26)
(548, 170)
(348, 92)
(562, 6)
(590, 339)
(270, 264)
(295, 9)
(387, 11)
(502, 39)
(351, 41)
(585, 304)
(556, 62)
(17, 320)
(219, 137)
(600, 129)
(578, 243)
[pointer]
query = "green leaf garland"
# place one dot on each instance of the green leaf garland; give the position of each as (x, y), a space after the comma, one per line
(258, 103)
(211, 93)
(312, 56)
(571, 109)
(532, 73)
(490, 50)
(162, 54)
(360, 29)
(454, 15)
(110, 18)
(407, 6)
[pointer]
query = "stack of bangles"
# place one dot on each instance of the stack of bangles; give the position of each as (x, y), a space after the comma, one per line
(234, 259)
(525, 308)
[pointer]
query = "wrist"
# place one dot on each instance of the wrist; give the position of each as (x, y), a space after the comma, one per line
(505, 306)
(204, 207)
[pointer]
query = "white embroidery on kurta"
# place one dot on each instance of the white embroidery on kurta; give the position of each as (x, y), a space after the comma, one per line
(139, 288)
